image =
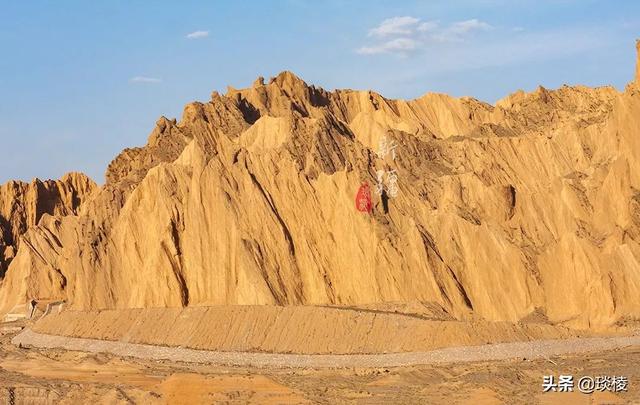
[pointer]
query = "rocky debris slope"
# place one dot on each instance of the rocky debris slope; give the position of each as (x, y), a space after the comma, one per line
(287, 329)
(23, 204)
(531, 206)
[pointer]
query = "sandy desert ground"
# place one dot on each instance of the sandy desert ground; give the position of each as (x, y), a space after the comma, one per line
(39, 376)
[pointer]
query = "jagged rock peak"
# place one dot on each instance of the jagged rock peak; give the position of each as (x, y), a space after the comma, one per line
(287, 78)
(259, 82)
(23, 204)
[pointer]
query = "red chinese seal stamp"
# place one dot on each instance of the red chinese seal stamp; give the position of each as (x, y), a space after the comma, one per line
(363, 198)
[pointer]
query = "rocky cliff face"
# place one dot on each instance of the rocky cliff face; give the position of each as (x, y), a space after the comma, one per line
(532, 205)
(23, 204)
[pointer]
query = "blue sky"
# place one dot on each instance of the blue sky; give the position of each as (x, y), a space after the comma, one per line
(81, 80)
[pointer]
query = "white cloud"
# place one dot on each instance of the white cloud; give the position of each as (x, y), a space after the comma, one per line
(394, 26)
(462, 27)
(510, 50)
(398, 45)
(144, 79)
(457, 30)
(198, 34)
(400, 35)
(428, 26)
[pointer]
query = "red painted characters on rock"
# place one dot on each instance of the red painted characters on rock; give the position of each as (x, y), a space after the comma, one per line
(363, 198)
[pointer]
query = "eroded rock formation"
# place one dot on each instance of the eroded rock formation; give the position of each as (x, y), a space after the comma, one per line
(23, 204)
(531, 205)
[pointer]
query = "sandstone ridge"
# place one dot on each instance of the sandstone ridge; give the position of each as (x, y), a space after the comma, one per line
(23, 204)
(531, 206)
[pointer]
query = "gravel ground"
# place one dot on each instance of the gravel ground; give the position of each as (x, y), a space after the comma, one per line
(531, 350)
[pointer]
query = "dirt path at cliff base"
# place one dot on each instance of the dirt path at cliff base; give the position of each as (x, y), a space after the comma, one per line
(538, 349)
